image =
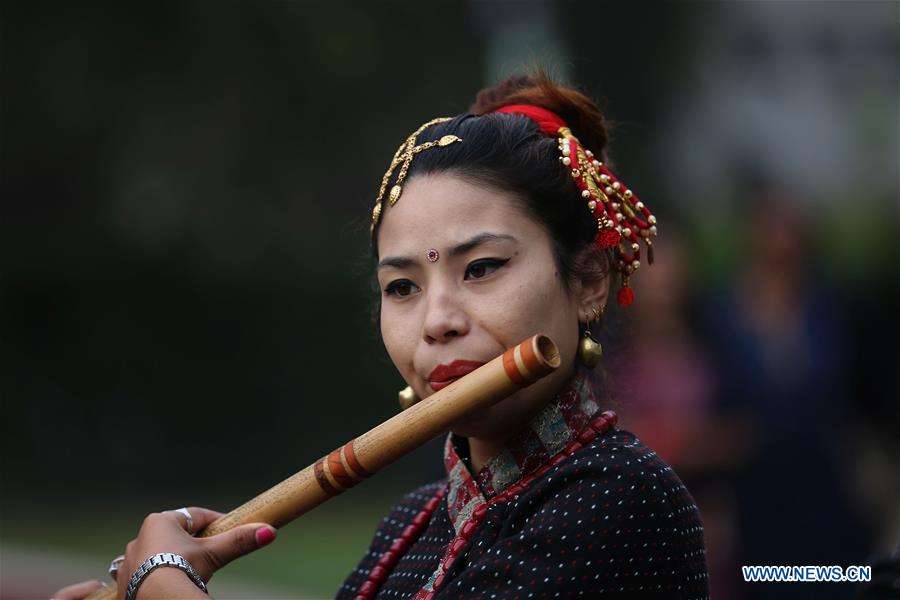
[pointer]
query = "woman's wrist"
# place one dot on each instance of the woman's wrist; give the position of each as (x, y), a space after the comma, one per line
(168, 582)
(157, 561)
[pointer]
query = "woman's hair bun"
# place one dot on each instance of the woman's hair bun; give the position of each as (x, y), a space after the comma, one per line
(577, 110)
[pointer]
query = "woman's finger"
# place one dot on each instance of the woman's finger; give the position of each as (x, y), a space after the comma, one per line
(78, 591)
(234, 543)
(200, 518)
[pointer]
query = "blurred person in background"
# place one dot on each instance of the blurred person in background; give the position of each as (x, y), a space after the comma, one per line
(665, 380)
(780, 347)
(489, 227)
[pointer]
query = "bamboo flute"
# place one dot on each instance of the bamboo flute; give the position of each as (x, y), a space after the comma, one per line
(361, 457)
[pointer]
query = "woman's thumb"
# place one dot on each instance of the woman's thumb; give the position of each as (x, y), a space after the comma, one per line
(240, 541)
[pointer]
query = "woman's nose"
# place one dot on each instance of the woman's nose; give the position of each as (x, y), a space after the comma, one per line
(444, 319)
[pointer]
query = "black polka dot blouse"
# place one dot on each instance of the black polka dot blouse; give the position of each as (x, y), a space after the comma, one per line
(572, 508)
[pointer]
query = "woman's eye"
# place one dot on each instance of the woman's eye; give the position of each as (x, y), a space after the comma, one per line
(481, 268)
(400, 287)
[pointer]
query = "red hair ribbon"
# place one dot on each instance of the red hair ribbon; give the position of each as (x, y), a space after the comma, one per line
(548, 121)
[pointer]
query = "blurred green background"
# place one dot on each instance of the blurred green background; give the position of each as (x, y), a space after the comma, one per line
(185, 290)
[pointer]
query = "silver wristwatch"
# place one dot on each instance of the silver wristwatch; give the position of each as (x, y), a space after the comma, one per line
(164, 559)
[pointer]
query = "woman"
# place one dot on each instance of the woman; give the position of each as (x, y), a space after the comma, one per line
(488, 228)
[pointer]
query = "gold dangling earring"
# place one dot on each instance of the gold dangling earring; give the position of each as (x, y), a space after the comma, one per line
(589, 350)
(407, 397)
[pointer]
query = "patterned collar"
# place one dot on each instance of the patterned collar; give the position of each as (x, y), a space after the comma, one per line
(545, 435)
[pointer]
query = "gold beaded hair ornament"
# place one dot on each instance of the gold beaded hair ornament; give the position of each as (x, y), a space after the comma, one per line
(622, 219)
(403, 157)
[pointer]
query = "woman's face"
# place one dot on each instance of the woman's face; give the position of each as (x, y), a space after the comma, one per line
(493, 285)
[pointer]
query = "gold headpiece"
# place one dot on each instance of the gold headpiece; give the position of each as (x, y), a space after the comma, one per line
(404, 155)
(622, 219)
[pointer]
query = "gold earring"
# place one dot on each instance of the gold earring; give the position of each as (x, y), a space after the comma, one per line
(589, 350)
(407, 397)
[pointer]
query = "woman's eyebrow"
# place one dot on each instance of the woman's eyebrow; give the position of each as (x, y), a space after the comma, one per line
(401, 262)
(398, 262)
(477, 240)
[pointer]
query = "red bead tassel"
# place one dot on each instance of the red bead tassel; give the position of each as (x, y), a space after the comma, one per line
(389, 559)
(626, 294)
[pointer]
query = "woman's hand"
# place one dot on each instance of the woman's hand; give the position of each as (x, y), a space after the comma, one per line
(168, 532)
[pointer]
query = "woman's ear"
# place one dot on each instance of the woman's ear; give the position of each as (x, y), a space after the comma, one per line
(592, 289)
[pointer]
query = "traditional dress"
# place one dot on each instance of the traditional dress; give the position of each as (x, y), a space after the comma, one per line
(571, 507)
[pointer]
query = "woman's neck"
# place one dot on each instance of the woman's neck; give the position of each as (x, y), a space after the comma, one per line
(482, 450)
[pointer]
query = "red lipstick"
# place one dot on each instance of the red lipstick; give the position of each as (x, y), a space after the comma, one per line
(443, 375)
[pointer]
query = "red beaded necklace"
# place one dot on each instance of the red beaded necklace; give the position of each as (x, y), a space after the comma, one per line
(386, 563)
